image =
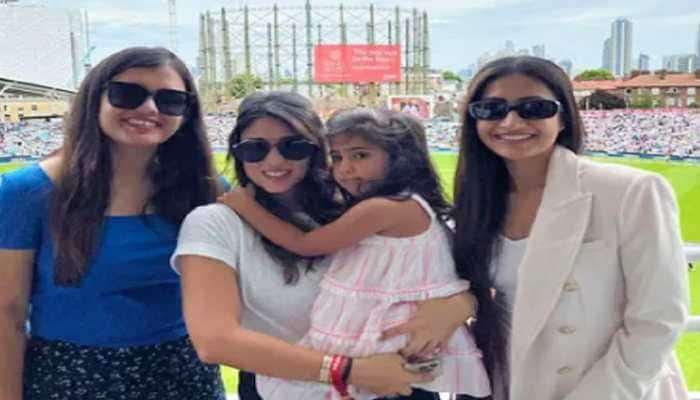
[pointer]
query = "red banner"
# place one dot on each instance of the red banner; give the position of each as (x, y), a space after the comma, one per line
(357, 63)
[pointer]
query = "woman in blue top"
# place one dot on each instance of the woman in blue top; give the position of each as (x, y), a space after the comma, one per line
(85, 238)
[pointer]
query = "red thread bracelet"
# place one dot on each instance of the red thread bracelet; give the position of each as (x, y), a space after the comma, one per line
(337, 370)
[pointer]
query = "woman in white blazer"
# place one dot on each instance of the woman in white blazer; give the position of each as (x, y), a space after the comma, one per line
(578, 266)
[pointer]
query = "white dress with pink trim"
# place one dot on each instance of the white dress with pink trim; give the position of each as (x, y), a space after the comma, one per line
(372, 286)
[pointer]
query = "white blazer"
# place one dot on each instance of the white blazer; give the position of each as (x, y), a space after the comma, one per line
(602, 291)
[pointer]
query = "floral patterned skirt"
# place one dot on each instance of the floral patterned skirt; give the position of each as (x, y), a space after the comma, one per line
(66, 371)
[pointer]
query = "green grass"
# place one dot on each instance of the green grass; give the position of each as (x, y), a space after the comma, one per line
(230, 377)
(9, 166)
(685, 180)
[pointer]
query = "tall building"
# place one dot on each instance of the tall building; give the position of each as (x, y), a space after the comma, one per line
(643, 62)
(607, 55)
(538, 50)
(43, 45)
(567, 66)
(697, 43)
(508, 51)
(621, 46)
(687, 63)
(467, 73)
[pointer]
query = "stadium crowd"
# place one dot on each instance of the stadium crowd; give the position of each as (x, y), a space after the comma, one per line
(32, 139)
(666, 132)
(218, 128)
(659, 132)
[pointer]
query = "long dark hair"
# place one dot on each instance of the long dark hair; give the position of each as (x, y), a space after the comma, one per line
(180, 171)
(481, 186)
(315, 193)
(403, 138)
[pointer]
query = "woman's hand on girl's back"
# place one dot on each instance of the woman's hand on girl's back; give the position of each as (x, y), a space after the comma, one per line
(435, 321)
(384, 375)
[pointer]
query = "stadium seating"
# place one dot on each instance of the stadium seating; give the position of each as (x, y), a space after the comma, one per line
(672, 133)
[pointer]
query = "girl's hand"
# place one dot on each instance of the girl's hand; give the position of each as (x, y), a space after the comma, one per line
(237, 197)
(436, 320)
(384, 375)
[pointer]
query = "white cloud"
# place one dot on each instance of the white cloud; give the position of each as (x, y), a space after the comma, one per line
(460, 29)
(670, 20)
(126, 16)
(442, 21)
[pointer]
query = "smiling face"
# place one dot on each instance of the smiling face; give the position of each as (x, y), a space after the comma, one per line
(357, 163)
(514, 138)
(143, 126)
(275, 174)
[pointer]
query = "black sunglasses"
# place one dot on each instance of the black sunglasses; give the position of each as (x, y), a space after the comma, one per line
(495, 109)
(293, 148)
(132, 95)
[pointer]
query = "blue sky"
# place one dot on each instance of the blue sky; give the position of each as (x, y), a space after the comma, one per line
(461, 30)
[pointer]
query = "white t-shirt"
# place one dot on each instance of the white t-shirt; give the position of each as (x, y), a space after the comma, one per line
(269, 305)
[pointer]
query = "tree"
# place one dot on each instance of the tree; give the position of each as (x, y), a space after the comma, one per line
(644, 100)
(599, 74)
(602, 100)
(450, 76)
(284, 81)
(242, 85)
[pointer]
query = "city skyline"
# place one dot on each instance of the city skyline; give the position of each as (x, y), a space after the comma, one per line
(459, 33)
(643, 62)
(621, 43)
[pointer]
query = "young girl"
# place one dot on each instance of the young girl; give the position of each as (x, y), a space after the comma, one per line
(391, 248)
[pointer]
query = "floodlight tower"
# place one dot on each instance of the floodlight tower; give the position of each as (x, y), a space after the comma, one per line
(172, 14)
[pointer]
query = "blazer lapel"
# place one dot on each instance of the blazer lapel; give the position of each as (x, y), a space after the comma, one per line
(555, 237)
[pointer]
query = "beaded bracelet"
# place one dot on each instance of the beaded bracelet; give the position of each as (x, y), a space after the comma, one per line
(325, 371)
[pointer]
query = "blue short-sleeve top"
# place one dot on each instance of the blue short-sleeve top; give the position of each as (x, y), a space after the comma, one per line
(129, 296)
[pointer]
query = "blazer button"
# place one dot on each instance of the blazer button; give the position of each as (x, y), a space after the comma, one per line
(570, 286)
(567, 330)
(564, 370)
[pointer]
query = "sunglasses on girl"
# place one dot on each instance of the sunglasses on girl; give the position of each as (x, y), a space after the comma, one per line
(132, 95)
(495, 109)
(293, 148)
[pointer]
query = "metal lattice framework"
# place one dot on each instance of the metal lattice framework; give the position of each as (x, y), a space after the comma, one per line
(276, 43)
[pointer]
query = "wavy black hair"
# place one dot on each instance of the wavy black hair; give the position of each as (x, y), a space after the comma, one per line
(181, 170)
(315, 193)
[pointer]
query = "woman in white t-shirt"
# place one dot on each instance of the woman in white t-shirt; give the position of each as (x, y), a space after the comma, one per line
(246, 300)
